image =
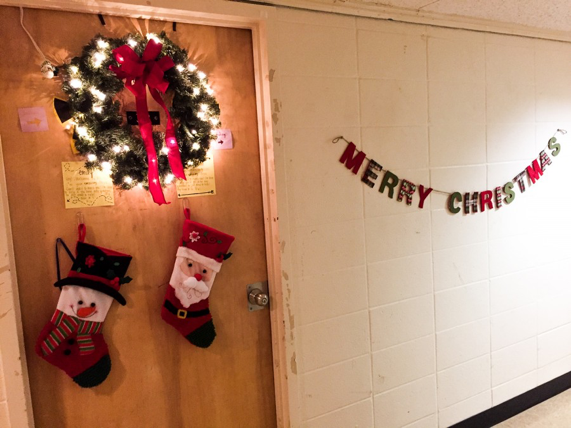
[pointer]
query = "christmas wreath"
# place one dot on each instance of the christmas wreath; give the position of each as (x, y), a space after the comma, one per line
(146, 158)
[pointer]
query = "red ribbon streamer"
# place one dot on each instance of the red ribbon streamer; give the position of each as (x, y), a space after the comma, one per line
(140, 73)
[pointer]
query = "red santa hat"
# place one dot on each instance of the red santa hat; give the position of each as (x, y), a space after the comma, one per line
(204, 244)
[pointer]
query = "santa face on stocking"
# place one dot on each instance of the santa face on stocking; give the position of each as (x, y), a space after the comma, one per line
(199, 258)
(191, 280)
(84, 303)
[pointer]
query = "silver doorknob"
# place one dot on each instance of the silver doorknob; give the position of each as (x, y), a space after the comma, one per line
(257, 297)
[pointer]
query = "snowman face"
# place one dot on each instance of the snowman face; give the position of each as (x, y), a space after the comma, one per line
(84, 303)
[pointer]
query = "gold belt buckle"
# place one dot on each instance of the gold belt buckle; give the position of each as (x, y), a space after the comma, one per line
(181, 313)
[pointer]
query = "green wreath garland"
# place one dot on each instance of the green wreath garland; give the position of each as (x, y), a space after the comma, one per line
(102, 135)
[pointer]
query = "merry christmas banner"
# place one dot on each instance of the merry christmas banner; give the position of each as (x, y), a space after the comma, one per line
(468, 202)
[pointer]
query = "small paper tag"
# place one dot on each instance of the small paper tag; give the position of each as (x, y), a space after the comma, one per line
(223, 141)
(83, 188)
(33, 119)
(200, 181)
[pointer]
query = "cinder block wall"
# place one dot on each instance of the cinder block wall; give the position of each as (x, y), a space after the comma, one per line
(413, 317)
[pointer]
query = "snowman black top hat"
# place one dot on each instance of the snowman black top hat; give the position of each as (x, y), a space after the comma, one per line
(100, 269)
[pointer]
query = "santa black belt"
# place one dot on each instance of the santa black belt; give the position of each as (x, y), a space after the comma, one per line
(183, 314)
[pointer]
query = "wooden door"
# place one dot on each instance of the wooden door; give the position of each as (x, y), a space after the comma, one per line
(158, 379)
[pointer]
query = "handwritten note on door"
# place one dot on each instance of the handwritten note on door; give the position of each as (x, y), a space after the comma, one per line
(83, 188)
(199, 181)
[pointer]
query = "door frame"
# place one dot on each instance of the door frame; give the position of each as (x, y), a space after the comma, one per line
(258, 19)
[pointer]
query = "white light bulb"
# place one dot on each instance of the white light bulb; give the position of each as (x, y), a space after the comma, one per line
(214, 121)
(74, 69)
(81, 131)
(201, 75)
(98, 58)
(180, 67)
(116, 149)
(106, 166)
(102, 44)
(190, 163)
(196, 90)
(125, 148)
(204, 107)
(97, 109)
(75, 83)
(169, 178)
(209, 90)
(165, 150)
(191, 67)
(97, 93)
(140, 185)
(132, 43)
(195, 146)
(194, 132)
(128, 180)
(153, 36)
(200, 115)
(91, 158)
(212, 142)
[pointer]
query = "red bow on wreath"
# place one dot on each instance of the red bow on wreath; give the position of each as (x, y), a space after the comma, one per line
(140, 73)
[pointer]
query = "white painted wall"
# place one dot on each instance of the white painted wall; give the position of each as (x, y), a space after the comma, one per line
(408, 317)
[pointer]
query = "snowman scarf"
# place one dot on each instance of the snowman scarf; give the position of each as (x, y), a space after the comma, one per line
(66, 325)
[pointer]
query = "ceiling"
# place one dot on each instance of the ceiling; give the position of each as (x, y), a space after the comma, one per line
(546, 18)
(544, 14)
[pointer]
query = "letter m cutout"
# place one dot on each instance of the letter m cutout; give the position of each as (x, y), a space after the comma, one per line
(534, 171)
(352, 162)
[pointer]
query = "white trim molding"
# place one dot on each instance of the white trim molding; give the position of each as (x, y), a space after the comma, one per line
(12, 351)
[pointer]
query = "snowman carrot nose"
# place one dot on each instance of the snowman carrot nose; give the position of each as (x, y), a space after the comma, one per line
(198, 276)
(85, 312)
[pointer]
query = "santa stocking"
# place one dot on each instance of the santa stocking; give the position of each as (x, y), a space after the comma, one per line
(72, 339)
(198, 259)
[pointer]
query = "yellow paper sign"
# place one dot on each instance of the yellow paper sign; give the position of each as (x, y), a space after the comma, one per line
(83, 188)
(199, 181)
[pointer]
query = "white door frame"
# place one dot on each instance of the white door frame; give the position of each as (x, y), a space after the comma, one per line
(256, 18)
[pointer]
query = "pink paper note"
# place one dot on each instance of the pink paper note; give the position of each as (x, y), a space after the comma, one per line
(33, 119)
(223, 141)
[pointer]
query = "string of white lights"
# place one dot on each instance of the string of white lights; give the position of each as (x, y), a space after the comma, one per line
(47, 69)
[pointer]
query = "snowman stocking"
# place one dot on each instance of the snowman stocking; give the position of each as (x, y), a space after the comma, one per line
(198, 259)
(72, 339)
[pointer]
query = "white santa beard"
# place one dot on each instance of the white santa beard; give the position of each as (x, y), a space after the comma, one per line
(177, 282)
(72, 294)
(191, 291)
